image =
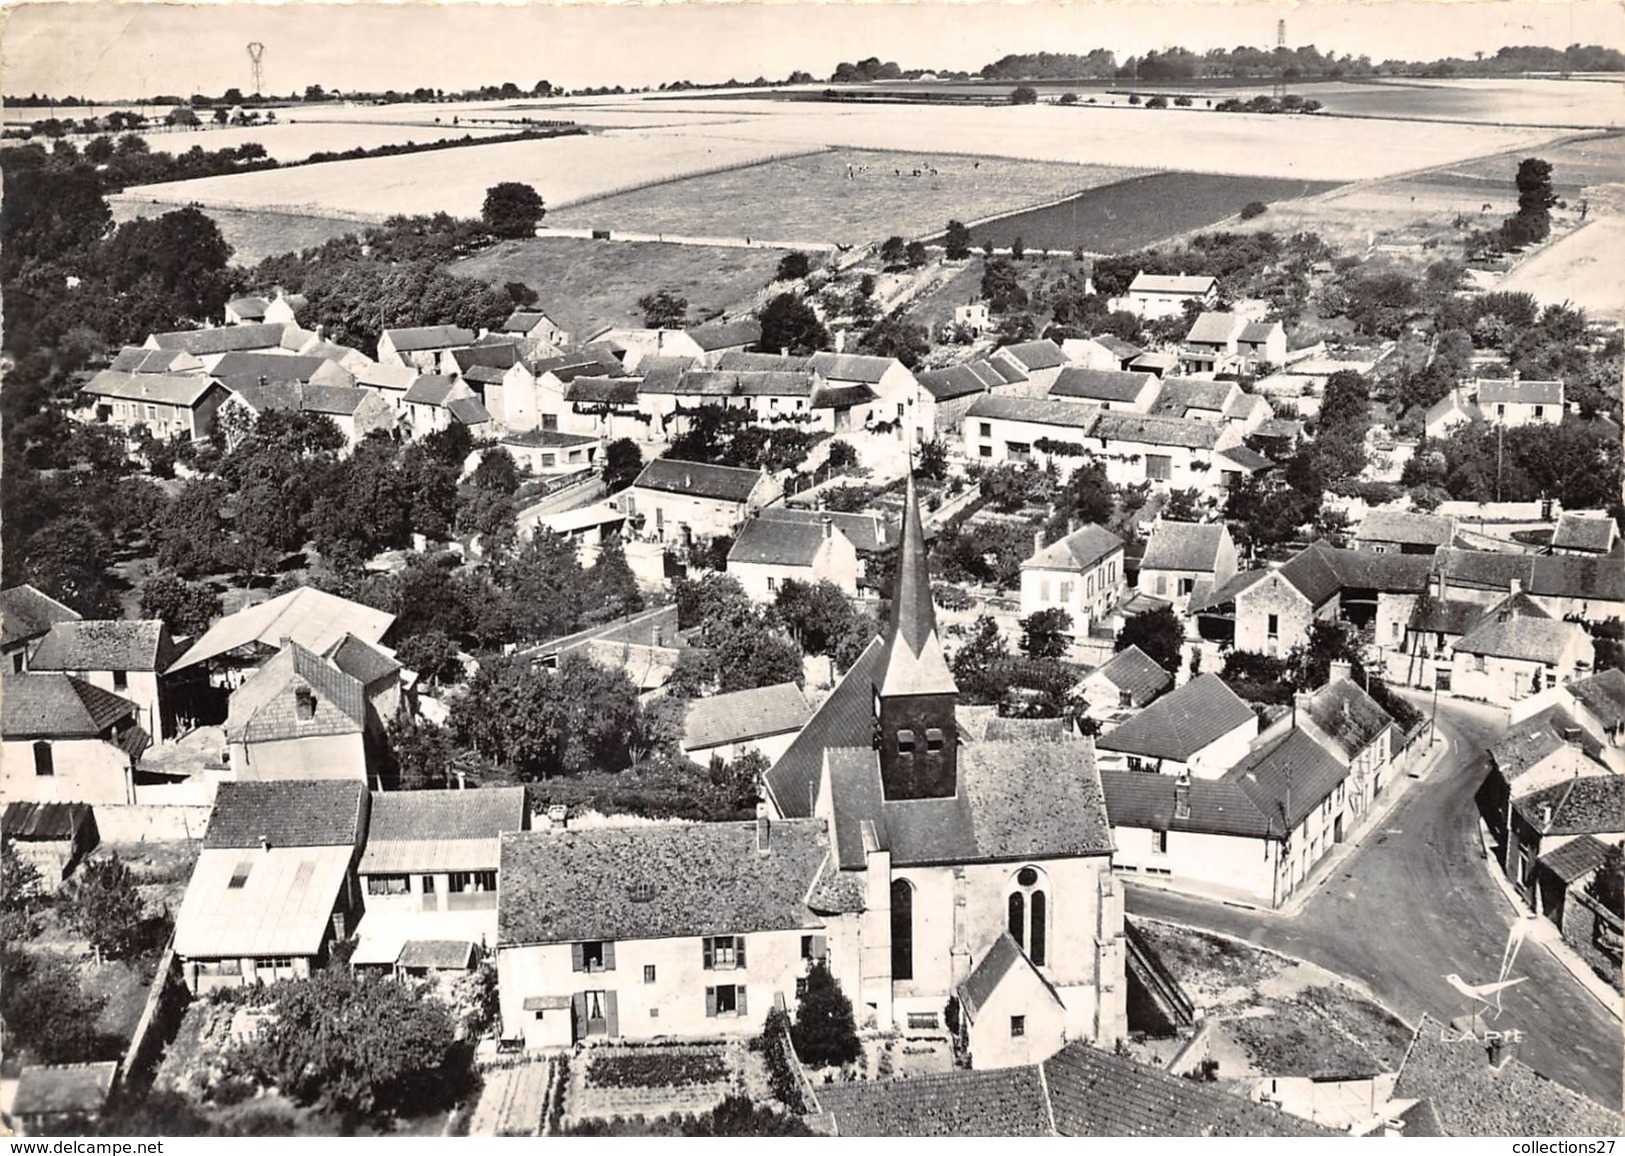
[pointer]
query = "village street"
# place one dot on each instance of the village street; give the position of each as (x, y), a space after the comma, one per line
(1415, 903)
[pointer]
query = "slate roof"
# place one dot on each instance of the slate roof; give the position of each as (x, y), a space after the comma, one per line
(1452, 403)
(656, 881)
(1212, 328)
(739, 361)
(844, 719)
(1592, 533)
(423, 337)
(288, 813)
(1406, 527)
(1184, 546)
(662, 373)
(1603, 694)
(1287, 778)
(1181, 723)
(851, 367)
(1473, 1099)
(313, 618)
(1099, 384)
(914, 661)
(1007, 1102)
(955, 381)
(745, 714)
(1446, 617)
(135, 359)
(58, 706)
(867, 532)
(1556, 575)
(184, 389)
(1319, 571)
(264, 708)
(492, 355)
(1038, 410)
(523, 320)
(63, 1089)
(1234, 585)
(45, 822)
(1258, 332)
(360, 660)
(1000, 369)
(1246, 457)
(1576, 858)
(1217, 806)
(431, 389)
(746, 331)
(1096, 1093)
(1040, 354)
(777, 543)
(221, 339)
(1348, 716)
(978, 987)
(26, 613)
(1590, 805)
(1132, 670)
(106, 644)
(1078, 551)
(1537, 738)
(1279, 427)
(386, 376)
(1116, 345)
(599, 390)
(723, 483)
(1520, 390)
(468, 410)
(1185, 393)
(1114, 425)
(429, 831)
(1525, 639)
(271, 366)
(1170, 283)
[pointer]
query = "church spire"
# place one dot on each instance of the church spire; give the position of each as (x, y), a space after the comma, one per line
(914, 663)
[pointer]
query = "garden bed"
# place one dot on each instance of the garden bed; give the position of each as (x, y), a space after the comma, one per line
(660, 1080)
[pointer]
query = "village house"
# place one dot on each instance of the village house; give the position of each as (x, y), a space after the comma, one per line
(1158, 362)
(1438, 623)
(1108, 388)
(168, 405)
(1540, 750)
(62, 1099)
(645, 647)
(435, 401)
(1018, 430)
(1585, 532)
(297, 717)
(125, 657)
(497, 373)
(973, 318)
(282, 309)
(1450, 412)
(1125, 683)
(1595, 704)
(679, 502)
(1565, 585)
(273, 887)
(1518, 401)
(871, 533)
(63, 740)
(1350, 725)
(865, 392)
(1546, 821)
(1081, 573)
(767, 554)
(1198, 399)
(428, 879)
(1038, 362)
(586, 528)
(952, 391)
(421, 347)
(1404, 532)
(1103, 351)
(765, 719)
(356, 412)
(717, 339)
(236, 370)
(390, 382)
(1185, 561)
(547, 453)
(540, 333)
(140, 359)
(1507, 656)
(599, 405)
(1154, 296)
(383, 681)
(1220, 342)
(210, 345)
(26, 617)
(1171, 453)
(53, 838)
(1202, 729)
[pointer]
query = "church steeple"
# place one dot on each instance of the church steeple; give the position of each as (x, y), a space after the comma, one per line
(915, 693)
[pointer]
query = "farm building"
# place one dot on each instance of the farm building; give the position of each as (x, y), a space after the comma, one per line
(725, 726)
(62, 1099)
(26, 616)
(1186, 561)
(1404, 532)
(1108, 388)
(52, 837)
(1154, 296)
(168, 405)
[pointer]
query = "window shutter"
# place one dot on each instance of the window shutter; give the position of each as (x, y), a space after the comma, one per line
(741, 997)
(711, 1001)
(612, 1019)
(739, 951)
(705, 947)
(576, 962)
(609, 959)
(820, 947)
(578, 1005)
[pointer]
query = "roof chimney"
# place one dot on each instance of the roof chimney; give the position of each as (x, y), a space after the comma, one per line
(558, 817)
(763, 828)
(829, 526)
(1182, 796)
(1073, 525)
(784, 351)
(1500, 1047)
(1340, 668)
(1545, 817)
(1038, 540)
(265, 842)
(1515, 585)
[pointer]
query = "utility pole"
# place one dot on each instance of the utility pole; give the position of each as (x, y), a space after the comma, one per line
(1500, 445)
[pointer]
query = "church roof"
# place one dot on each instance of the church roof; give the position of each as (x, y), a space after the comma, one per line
(914, 662)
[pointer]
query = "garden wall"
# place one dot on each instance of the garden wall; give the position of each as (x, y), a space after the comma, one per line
(1590, 928)
(159, 824)
(166, 1006)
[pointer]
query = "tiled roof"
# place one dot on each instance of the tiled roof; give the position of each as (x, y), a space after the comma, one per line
(271, 366)
(1038, 410)
(1078, 551)
(1184, 546)
(424, 337)
(1406, 527)
(1245, 457)
(1287, 778)
(1007, 1102)
(1520, 390)
(1234, 585)
(313, 618)
(105, 644)
(744, 715)
(523, 320)
(1155, 362)
(1603, 694)
(867, 532)
(287, 813)
(1213, 328)
(739, 361)
(1217, 806)
(1132, 670)
(468, 410)
(1185, 393)
(222, 339)
(984, 979)
(58, 706)
(590, 390)
(1258, 332)
(747, 331)
(1446, 617)
(1319, 571)
(1452, 403)
(265, 708)
(1007, 730)
(1526, 639)
(777, 543)
(954, 381)
(656, 881)
(1279, 427)
(437, 954)
(1099, 384)
(1114, 425)
(723, 483)
(1474, 1099)
(1594, 533)
(1116, 345)
(850, 367)
(1170, 283)
(1529, 743)
(1590, 805)
(248, 308)
(1181, 723)
(844, 719)
(164, 388)
(337, 400)
(1096, 1093)
(1348, 716)
(1576, 858)
(842, 396)
(662, 373)
(1557, 575)
(1040, 354)
(431, 389)
(135, 359)
(386, 376)
(1312, 575)
(399, 816)
(63, 1089)
(1000, 369)
(361, 660)
(45, 822)
(493, 355)
(26, 613)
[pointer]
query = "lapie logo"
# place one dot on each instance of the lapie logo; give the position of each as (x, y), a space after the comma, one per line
(1485, 998)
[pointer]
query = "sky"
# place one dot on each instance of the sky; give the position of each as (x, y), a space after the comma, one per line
(104, 50)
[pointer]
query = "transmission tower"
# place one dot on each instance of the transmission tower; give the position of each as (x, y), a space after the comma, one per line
(1280, 68)
(256, 59)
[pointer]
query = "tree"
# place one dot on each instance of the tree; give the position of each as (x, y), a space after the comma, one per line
(623, 462)
(664, 310)
(1023, 94)
(1046, 633)
(817, 615)
(1001, 286)
(914, 253)
(789, 323)
(956, 241)
(841, 455)
(1607, 886)
(48, 1015)
(893, 251)
(1018, 249)
(977, 663)
(824, 1032)
(1253, 209)
(896, 336)
(432, 655)
(188, 607)
(931, 460)
(104, 906)
(793, 267)
(512, 209)
(1310, 662)
(1535, 200)
(1159, 633)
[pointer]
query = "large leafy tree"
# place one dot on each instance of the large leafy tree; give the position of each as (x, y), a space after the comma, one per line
(623, 462)
(789, 323)
(188, 607)
(104, 906)
(1159, 633)
(896, 336)
(512, 209)
(824, 1031)
(978, 664)
(1046, 633)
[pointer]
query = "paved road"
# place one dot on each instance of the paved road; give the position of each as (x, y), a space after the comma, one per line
(1415, 903)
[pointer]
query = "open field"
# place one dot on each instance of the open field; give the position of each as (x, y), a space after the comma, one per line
(1581, 269)
(587, 285)
(253, 236)
(814, 196)
(564, 170)
(294, 141)
(1132, 214)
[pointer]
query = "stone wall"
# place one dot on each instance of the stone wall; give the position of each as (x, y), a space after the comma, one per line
(139, 824)
(1589, 927)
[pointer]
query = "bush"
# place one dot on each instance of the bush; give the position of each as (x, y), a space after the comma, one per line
(825, 1032)
(1253, 209)
(779, 1054)
(1157, 102)
(1024, 94)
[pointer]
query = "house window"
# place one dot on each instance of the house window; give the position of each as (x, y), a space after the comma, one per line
(550, 421)
(1018, 451)
(1159, 842)
(304, 704)
(902, 929)
(1186, 585)
(814, 947)
(460, 881)
(1273, 627)
(595, 1009)
(592, 955)
(1136, 763)
(723, 952)
(727, 999)
(17, 662)
(1478, 663)
(387, 885)
(1043, 589)
(985, 451)
(121, 680)
(933, 740)
(1500, 411)
(1158, 467)
(549, 461)
(801, 987)
(428, 884)
(905, 742)
(1162, 583)
(1125, 698)
(648, 973)
(923, 1021)
(44, 760)
(1066, 589)
(152, 412)
(1018, 1027)
(987, 429)
(239, 876)
(1540, 411)
(772, 583)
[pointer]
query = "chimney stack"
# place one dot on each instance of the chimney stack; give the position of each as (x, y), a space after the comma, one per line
(840, 341)
(763, 828)
(1500, 1047)
(558, 817)
(1182, 796)
(1340, 668)
(1545, 817)
(829, 526)
(265, 842)
(1515, 586)
(1073, 526)
(1038, 541)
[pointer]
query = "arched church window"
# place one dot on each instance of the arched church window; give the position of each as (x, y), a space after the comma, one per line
(902, 929)
(1027, 914)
